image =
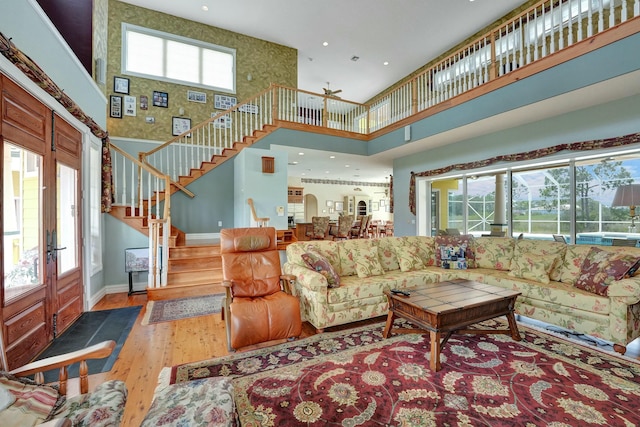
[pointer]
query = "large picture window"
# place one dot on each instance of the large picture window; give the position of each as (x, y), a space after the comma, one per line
(162, 56)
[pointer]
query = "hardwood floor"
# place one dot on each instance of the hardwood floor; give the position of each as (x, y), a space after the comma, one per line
(150, 348)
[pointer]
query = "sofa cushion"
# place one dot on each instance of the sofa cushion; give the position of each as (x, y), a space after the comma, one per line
(367, 262)
(552, 294)
(387, 253)
(533, 266)
(600, 268)
(34, 403)
(494, 252)
(542, 249)
(319, 263)
(408, 258)
(202, 402)
(572, 262)
(103, 407)
(327, 248)
(465, 240)
(425, 247)
(349, 251)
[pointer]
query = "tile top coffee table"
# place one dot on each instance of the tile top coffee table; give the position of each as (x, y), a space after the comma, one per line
(446, 307)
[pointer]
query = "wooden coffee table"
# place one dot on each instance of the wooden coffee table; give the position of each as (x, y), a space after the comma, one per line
(447, 307)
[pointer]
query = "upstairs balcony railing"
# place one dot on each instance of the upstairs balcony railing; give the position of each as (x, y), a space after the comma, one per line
(548, 27)
(542, 30)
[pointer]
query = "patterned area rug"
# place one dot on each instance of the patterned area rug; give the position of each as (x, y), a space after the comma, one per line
(182, 308)
(358, 378)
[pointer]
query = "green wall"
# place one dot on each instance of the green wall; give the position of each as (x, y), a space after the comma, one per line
(266, 62)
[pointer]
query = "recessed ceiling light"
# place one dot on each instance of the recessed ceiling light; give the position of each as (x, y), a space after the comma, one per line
(327, 172)
(346, 166)
(332, 157)
(325, 43)
(295, 163)
(385, 63)
(301, 154)
(205, 7)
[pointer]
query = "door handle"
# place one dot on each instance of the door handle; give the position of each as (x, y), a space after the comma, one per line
(51, 249)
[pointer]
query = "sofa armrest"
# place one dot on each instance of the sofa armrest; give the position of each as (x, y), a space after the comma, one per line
(627, 288)
(306, 277)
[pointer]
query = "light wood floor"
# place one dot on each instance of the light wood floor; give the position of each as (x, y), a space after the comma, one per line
(150, 348)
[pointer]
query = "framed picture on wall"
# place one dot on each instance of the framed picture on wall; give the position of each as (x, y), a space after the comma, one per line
(374, 206)
(180, 125)
(339, 206)
(160, 99)
(121, 85)
(115, 106)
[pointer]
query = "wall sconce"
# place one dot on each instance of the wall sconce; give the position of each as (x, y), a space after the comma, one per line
(628, 195)
(249, 77)
(181, 111)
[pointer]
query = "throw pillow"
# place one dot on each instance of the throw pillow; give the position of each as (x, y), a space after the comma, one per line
(600, 268)
(532, 266)
(408, 258)
(465, 240)
(368, 264)
(315, 261)
(34, 403)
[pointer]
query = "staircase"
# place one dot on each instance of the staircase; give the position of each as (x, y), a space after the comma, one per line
(194, 270)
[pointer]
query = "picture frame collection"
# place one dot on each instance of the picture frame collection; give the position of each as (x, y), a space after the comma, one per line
(122, 104)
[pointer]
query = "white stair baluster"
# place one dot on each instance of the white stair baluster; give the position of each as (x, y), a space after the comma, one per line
(623, 13)
(579, 20)
(589, 19)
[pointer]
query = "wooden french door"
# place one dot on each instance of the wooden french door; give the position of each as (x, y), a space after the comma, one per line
(41, 265)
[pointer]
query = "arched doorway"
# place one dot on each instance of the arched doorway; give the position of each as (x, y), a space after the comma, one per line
(310, 207)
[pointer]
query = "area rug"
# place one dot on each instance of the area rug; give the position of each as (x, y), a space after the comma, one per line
(358, 378)
(182, 308)
(93, 327)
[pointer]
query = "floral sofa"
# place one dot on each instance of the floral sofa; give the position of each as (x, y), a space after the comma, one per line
(588, 289)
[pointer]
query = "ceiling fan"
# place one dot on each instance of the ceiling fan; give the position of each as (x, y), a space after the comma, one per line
(329, 92)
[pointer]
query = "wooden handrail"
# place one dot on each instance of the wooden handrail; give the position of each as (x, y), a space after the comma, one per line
(97, 351)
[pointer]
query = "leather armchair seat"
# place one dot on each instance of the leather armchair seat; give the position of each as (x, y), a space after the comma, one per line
(258, 306)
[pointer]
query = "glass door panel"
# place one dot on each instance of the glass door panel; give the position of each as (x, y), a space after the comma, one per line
(22, 233)
(67, 219)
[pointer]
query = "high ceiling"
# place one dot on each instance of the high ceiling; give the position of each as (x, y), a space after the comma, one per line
(406, 33)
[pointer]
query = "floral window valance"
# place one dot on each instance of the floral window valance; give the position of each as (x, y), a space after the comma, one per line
(595, 144)
(38, 76)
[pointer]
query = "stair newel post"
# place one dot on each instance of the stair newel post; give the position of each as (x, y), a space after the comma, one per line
(167, 232)
(139, 188)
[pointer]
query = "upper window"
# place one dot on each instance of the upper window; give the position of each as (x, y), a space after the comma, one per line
(163, 56)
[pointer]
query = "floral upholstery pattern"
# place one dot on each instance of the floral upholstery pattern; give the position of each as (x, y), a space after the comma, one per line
(532, 266)
(542, 249)
(387, 254)
(615, 317)
(345, 222)
(319, 263)
(367, 263)
(600, 268)
(494, 252)
(320, 227)
(101, 408)
(408, 258)
(199, 402)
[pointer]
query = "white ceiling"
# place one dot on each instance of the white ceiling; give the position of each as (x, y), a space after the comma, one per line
(406, 33)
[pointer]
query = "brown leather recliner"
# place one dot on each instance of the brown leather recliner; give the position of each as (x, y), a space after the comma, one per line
(259, 306)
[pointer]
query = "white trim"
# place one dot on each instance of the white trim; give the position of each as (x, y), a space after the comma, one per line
(115, 139)
(202, 236)
(72, 56)
(164, 36)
